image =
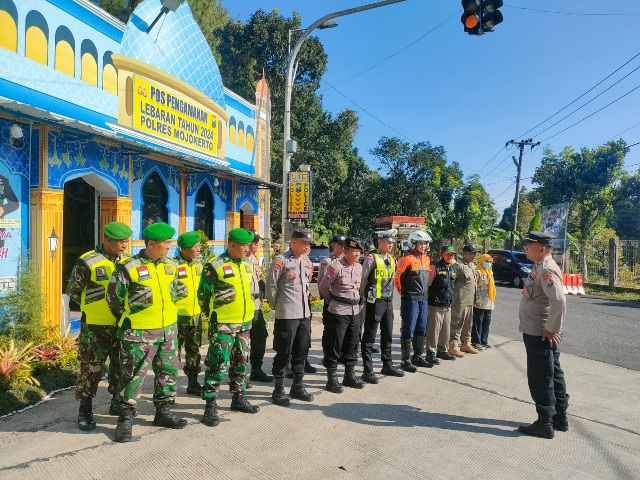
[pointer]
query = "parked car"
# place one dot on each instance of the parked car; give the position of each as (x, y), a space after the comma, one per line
(510, 266)
(316, 255)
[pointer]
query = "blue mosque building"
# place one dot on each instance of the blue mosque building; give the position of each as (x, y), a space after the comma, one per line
(102, 121)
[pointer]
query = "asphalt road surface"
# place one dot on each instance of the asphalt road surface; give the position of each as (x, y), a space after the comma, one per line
(596, 328)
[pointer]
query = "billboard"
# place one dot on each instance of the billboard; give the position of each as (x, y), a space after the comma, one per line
(554, 222)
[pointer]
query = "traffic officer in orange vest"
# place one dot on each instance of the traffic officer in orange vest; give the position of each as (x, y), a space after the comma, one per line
(189, 323)
(142, 295)
(87, 287)
(225, 297)
(377, 288)
(412, 283)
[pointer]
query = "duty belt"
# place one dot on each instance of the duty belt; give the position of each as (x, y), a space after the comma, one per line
(348, 301)
(384, 299)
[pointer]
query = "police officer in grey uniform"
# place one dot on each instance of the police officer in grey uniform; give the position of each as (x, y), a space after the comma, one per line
(288, 294)
(542, 313)
(377, 288)
(340, 286)
(464, 292)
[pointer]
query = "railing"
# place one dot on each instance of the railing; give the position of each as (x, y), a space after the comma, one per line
(612, 262)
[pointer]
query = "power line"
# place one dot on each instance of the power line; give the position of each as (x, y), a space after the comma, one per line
(575, 13)
(620, 133)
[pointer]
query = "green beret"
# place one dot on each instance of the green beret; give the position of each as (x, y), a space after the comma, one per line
(240, 235)
(158, 232)
(188, 239)
(117, 230)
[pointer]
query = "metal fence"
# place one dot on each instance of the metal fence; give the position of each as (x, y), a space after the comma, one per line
(624, 271)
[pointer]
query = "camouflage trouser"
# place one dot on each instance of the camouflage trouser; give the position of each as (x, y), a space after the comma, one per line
(157, 347)
(227, 344)
(95, 344)
(190, 336)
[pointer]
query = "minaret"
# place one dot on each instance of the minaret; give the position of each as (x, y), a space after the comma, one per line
(262, 158)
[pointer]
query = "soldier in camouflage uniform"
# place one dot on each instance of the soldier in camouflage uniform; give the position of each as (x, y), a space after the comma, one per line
(225, 295)
(87, 287)
(189, 325)
(142, 295)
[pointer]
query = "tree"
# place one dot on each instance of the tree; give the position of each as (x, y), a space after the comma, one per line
(588, 179)
(625, 218)
(529, 205)
(473, 216)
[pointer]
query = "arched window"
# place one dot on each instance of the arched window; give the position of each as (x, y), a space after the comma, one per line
(89, 63)
(249, 138)
(36, 38)
(65, 52)
(203, 218)
(232, 130)
(154, 201)
(109, 75)
(240, 134)
(9, 22)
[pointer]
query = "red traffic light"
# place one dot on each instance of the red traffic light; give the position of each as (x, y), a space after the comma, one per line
(470, 20)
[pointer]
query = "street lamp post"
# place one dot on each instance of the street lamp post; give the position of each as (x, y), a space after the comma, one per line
(324, 22)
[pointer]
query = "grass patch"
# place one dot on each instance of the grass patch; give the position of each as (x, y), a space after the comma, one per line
(613, 294)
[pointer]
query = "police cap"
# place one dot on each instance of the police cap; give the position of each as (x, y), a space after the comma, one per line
(188, 239)
(117, 231)
(470, 248)
(542, 238)
(303, 234)
(256, 236)
(338, 238)
(158, 232)
(241, 236)
(353, 243)
(389, 234)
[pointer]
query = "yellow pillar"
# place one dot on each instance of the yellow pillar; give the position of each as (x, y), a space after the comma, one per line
(114, 209)
(183, 203)
(46, 214)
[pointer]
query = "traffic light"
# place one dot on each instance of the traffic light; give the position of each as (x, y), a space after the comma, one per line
(481, 16)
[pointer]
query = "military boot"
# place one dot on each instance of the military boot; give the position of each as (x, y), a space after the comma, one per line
(308, 368)
(560, 420)
(85, 415)
(406, 365)
(432, 359)
(454, 350)
(297, 389)
(351, 380)
(211, 418)
(239, 403)
(115, 407)
(193, 387)
(468, 348)
(332, 382)
(370, 377)
(165, 418)
(125, 424)
(258, 375)
(390, 370)
(543, 427)
(288, 373)
(278, 396)
(418, 350)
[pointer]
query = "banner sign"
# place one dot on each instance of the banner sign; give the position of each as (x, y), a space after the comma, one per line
(166, 114)
(554, 222)
(299, 196)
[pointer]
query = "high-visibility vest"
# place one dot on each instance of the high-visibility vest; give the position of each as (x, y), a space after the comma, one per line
(380, 273)
(148, 303)
(232, 301)
(93, 300)
(189, 276)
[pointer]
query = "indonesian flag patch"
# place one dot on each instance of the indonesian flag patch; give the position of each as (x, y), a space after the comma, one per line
(182, 272)
(143, 273)
(227, 271)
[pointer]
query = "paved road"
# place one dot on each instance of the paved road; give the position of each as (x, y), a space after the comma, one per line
(596, 328)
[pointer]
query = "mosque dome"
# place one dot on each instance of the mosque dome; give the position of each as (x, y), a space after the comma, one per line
(175, 45)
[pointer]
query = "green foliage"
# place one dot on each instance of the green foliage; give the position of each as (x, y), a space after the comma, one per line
(59, 349)
(23, 308)
(15, 366)
(19, 397)
(206, 252)
(625, 218)
(536, 222)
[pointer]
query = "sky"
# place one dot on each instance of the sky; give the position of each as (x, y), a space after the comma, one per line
(410, 71)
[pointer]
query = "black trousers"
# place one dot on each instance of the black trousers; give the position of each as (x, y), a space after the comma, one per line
(291, 338)
(480, 327)
(340, 340)
(379, 313)
(258, 339)
(545, 377)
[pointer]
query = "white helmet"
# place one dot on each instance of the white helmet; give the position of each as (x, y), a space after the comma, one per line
(420, 236)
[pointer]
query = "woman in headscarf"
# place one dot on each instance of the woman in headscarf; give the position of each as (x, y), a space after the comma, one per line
(484, 302)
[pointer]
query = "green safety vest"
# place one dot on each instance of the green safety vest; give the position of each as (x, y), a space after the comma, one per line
(380, 273)
(93, 301)
(189, 275)
(233, 302)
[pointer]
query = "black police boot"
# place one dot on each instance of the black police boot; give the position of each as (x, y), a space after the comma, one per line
(370, 377)
(432, 359)
(278, 396)
(116, 407)
(420, 361)
(85, 415)
(165, 418)
(419, 347)
(406, 365)
(193, 387)
(351, 380)
(444, 355)
(543, 427)
(391, 371)
(125, 424)
(560, 420)
(211, 418)
(239, 403)
(333, 385)
(308, 368)
(258, 375)
(288, 373)
(297, 389)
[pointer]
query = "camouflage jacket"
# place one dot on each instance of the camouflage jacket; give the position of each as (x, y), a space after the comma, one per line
(80, 277)
(121, 285)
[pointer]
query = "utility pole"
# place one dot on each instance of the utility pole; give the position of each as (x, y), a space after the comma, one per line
(518, 163)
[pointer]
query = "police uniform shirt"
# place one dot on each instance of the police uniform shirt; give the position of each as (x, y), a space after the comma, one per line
(464, 289)
(341, 280)
(255, 281)
(288, 289)
(322, 268)
(543, 304)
